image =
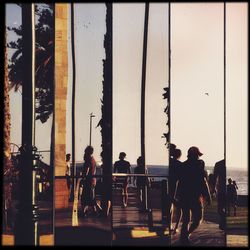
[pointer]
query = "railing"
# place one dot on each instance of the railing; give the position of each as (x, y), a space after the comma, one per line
(42, 181)
(163, 187)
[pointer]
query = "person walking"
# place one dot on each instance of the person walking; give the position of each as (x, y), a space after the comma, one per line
(192, 186)
(175, 168)
(124, 167)
(68, 173)
(140, 181)
(220, 189)
(231, 196)
(88, 197)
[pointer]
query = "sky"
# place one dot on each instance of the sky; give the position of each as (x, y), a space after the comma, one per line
(196, 69)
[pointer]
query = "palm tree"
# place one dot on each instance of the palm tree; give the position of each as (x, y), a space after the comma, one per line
(6, 150)
(73, 98)
(44, 67)
(143, 84)
(106, 120)
(27, 215)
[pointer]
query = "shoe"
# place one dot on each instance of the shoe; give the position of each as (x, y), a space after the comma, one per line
(124, 205)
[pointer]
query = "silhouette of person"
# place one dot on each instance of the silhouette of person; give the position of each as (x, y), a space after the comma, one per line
(89, 169)
(192, 186)
(124, 167)
(231, 196)
(220, 188)
(211, 184)
(106, 185)
(234, 182)
(140, 181)
(175, 167)
(68, 174)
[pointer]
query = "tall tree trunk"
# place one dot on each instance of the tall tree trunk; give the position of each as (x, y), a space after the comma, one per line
(26, 224)
(6, 136)
(106, 121)
(52, 135)
(73, 98)
(143, 85)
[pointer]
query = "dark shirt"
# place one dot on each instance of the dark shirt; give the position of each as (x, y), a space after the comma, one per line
(175, 167)
(140, 180)
(231, 191)
(122, 166)
(192, 182)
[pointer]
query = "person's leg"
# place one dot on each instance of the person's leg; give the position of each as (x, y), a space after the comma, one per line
(140, 194)
(178, 218)
(235, 207)
(221, 201)
(125, 194)
(171, 215)
(108, 207)
(197, 214)
(185, 222)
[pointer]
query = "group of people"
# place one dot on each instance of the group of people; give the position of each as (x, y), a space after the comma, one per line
(123, 167)
(232, 196)
(189, 187)
(188, 191)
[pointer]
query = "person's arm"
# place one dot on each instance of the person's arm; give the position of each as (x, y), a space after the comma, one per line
(129, 172)
(206, 192)
(115, 169)
(134, 178)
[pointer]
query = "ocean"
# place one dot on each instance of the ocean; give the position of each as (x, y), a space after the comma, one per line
(240, 176)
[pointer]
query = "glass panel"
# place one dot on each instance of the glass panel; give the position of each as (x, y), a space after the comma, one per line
(43, 193)
(137, 209)
(236, 124)
(80, 218)
(197, 113)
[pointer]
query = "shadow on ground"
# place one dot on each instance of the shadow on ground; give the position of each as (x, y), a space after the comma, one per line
(82, 236)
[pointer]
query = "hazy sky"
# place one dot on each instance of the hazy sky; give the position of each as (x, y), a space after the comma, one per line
(197, 67)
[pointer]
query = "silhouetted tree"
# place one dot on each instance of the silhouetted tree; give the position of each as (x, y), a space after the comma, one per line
(44, 61)
(7, 167)
(44, 68)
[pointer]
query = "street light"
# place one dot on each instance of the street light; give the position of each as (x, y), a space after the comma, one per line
(90, 132)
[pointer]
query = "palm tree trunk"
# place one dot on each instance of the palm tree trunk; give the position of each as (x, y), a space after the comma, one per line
(106, 121)
(73, 99)
(6, 149)
(143, 85)
(26, 225)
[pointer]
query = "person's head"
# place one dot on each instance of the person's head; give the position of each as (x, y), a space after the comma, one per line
(177, 153)
(68, 157)
(172, 148)
(122, 155)
(229, 180)
(234, 182)
(139, 161)
(194, 153)
(89, 150)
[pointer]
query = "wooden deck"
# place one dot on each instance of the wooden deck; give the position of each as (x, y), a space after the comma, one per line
(131, 227)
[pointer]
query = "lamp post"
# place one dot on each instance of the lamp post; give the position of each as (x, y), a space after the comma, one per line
(90, 127)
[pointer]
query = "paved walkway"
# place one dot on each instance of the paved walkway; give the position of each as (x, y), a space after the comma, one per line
(207, 234)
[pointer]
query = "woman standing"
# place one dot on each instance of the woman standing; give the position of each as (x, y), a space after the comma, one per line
(89, 170)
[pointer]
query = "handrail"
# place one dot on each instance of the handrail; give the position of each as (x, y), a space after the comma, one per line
(114, 175)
